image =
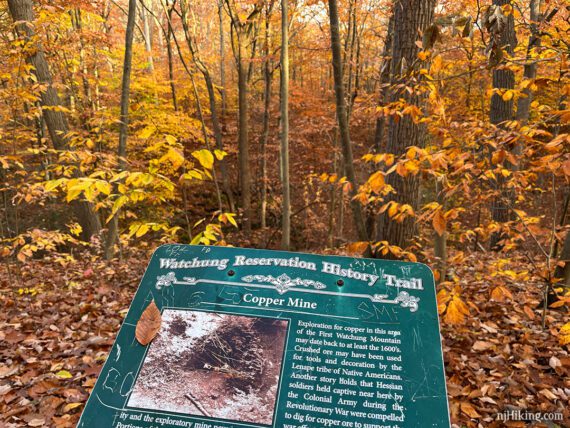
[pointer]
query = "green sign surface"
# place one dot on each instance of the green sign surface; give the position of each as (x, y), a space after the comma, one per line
(254, 338)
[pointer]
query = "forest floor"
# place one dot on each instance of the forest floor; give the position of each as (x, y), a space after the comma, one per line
(59, 321)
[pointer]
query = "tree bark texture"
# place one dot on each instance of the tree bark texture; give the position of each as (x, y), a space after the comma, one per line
(502, 111)
(342, 120)
(56, 122)
(284, 106)
(411, 17)
(112, 235)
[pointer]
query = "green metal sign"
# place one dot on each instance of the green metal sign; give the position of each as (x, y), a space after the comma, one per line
(252, 338)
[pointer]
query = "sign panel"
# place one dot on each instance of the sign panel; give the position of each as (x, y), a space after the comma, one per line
(253, 338)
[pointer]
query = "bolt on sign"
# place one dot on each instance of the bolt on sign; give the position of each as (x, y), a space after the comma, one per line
(230, 338)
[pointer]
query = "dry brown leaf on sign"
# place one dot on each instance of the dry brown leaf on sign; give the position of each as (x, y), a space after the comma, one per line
(148, 324)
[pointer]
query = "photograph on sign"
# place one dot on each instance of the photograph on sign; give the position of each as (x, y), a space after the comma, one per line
(214, 365)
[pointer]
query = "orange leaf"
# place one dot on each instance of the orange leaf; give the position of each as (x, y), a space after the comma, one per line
(528, 311)
(357, 247)
(558, 304)
(148, 324)
(442, 299)
(376, 181)
(393, 209)
(500, 294)
(469, 410)
(456, 311)
(439, 222)
(566, 167)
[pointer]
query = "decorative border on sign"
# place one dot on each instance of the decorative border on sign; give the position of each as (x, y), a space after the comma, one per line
(283, 283)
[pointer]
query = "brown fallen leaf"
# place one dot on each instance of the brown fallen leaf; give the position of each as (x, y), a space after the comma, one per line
(148, 324)
(528, 311)
(554, 362)
(481, 345)
(469, 410)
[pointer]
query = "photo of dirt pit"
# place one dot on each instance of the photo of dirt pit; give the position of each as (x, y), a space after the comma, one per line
(213, 365)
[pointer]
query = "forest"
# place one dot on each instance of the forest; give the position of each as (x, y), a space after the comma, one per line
(417, 130)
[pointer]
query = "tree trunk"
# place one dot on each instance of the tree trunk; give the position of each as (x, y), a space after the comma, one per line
(534, 42)
(341, 113)
(222, 58)
(410, 18)
(218, 136)
(170, 59)
(56, 122)
(564, 271)
(284, 107)
(440, 241)
(243, 137)
(501, 112)
(192, 46)
(385, 74)
(88, 103)
(147, 38)
(124, 126)
(267, 77)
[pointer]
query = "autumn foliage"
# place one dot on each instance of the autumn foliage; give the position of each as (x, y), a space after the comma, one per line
(457, 121)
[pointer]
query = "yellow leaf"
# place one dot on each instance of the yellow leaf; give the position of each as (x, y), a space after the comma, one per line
(64, 374)
(75, 229)
(565, 334)
(393, 209)
(142, 230)
(146, 132)
(51, 185)
(103, 187)
(220, 154)
(508, 95)
(376, 181)
(175, 157)
(73, 194)
(71, 406)
(193, 173)
(119, 202)
(205, 158)
(170, 139)
(231, 219)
